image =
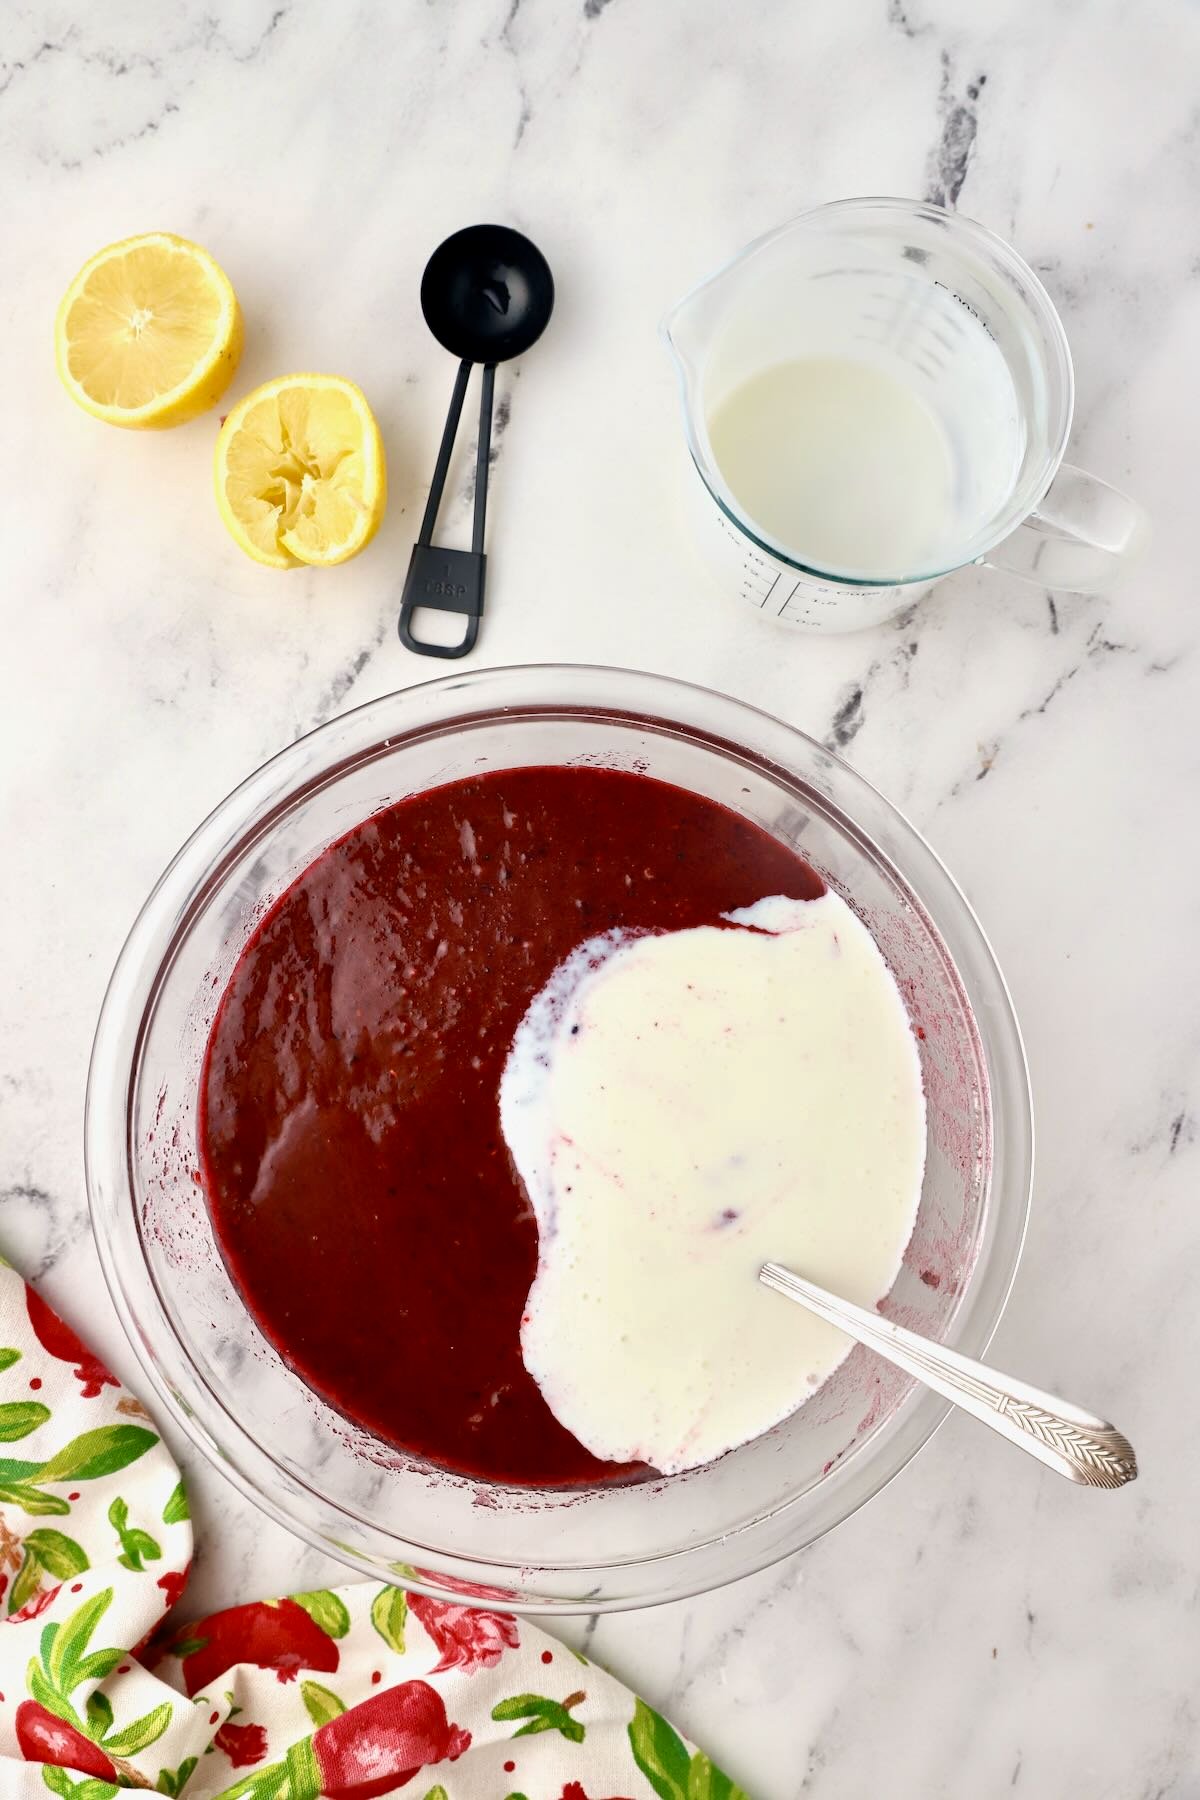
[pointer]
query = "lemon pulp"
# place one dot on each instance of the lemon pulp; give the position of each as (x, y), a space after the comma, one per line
(300, 472)
(149, 333)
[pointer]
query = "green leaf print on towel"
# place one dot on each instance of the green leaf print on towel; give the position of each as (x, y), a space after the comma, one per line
(141, 1734)
(59, 1782)
(389, 1614)
(32, 1500)
(320, 1703)
(45, 1552)
(672, 1771)
(88, 1457)
(173, 1781)
(325, 1610)
(707, 1782)
(99, 1714)
(542, 1714)
(137, 1546)
(49, 1728)
(19, 1417)
(176, 1509)
(99, 1452)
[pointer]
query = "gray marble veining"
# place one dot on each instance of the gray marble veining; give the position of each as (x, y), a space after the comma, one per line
(980, 1629)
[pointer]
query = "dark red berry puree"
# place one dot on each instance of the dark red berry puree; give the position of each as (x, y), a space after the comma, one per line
(360, 1187)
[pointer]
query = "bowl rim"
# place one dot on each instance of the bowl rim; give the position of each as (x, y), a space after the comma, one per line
(139, 973)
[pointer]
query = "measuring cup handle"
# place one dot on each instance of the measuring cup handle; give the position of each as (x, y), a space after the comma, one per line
(1079, 538)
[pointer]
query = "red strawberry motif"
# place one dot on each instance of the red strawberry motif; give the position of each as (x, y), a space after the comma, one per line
(45, 1739)
(383, 1743)
(62, 1343)
(272, 1634)
(574, 1791)
(173, 1584)
(466, 1638)
(244, 1745)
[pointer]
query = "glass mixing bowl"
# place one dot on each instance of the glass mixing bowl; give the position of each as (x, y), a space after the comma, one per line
(386, 1513)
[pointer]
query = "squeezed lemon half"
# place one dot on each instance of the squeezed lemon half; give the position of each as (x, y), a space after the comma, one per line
(300, 471)
(149, 333)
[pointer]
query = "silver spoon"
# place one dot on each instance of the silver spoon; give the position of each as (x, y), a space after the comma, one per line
(1072, 1442)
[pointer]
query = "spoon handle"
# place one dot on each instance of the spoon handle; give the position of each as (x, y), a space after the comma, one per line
(483, 457)
(1074, 1443)
(445, 450)
(449, 581)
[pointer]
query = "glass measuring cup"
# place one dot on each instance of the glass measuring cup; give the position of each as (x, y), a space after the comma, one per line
(940, 325)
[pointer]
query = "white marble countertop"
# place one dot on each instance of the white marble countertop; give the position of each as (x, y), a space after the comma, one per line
(981, 1628)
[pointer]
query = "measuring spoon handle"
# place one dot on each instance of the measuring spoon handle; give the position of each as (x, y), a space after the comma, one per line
(442, 580)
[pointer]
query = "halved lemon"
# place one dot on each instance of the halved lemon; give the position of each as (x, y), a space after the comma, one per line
(300, 471)
(149, 332)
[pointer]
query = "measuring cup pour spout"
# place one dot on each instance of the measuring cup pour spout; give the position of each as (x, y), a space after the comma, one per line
(874, 395)
(688, 331)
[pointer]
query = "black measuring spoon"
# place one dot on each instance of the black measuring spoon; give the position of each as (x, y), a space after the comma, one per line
(487, 294)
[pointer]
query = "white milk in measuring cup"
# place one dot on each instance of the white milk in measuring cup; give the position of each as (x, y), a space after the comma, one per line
(875, 395)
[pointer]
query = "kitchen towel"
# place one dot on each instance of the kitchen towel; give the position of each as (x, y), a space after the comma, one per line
(357, 1691)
